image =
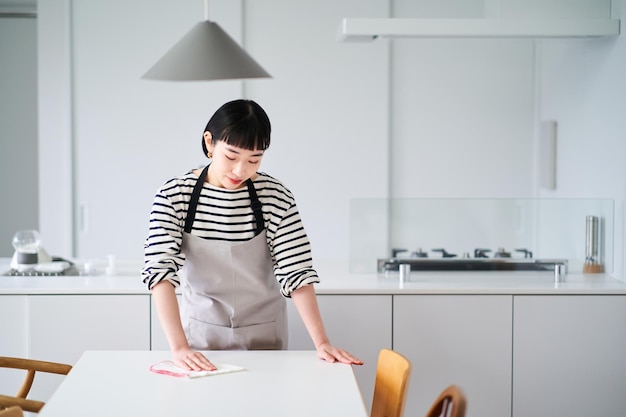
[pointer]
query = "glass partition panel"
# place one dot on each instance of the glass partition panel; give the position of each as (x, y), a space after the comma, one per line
(547, 228)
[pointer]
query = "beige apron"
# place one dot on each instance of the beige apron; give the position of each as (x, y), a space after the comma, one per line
(230, 297)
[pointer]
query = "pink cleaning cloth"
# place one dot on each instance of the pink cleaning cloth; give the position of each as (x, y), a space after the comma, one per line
(168, 368)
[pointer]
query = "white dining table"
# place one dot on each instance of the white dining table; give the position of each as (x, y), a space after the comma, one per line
(272, 383)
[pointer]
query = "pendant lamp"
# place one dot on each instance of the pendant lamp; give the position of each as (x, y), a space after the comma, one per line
(205, 53)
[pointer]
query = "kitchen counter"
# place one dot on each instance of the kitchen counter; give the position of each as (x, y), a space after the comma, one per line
(337, 279)
(492, 332)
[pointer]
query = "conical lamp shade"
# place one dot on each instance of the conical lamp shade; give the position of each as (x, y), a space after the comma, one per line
(206, 52)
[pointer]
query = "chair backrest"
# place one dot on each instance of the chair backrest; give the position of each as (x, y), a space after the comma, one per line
(450, 403)
(31, 367)
(393, 372)
(14, 411)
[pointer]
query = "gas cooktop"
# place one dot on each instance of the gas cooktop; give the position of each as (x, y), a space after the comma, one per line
(500, 260)
(71, 271)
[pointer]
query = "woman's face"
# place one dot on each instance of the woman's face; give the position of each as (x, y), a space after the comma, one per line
(231, 166)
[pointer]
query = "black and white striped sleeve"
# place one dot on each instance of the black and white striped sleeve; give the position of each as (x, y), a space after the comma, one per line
(291, 249)
(162, 255)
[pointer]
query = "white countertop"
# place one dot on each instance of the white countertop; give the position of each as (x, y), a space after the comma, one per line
(337, 279)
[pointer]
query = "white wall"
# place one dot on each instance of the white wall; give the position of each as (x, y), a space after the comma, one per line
(56, 156)
(466, 117)
(462, 111)
(131, 135)
(582, 88)
(18, 128)
(404, 118)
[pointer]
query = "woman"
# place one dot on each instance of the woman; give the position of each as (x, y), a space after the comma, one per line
(232, 238)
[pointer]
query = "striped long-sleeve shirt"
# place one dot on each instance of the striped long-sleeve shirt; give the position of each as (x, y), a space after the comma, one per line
(226, 215)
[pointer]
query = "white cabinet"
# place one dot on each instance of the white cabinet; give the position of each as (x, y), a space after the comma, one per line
(360, 324)
(513, 355)
(13, 338)
(13, 325)
(569, 356)
(62, 327)
(456, 339)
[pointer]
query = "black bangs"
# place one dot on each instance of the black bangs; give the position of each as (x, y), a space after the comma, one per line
(247, 138)
(240, 123)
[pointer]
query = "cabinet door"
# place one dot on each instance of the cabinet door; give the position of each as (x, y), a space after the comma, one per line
(13, 338)
(456, 339)
(360, 324)
(569, 356)
(62, 327)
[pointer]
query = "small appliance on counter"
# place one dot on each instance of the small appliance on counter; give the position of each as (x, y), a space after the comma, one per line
(31, 259)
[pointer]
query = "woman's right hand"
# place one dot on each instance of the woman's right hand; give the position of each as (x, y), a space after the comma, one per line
(184, 357)
(192, 360)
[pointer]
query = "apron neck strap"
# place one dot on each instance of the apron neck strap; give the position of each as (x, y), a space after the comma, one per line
(256, 207)
(195, 197)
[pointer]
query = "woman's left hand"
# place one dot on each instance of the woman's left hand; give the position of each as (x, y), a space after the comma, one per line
(330, 353)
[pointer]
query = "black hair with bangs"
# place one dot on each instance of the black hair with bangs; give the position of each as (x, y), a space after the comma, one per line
(240, 123)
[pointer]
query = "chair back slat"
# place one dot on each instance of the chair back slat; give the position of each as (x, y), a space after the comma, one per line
(450, 403)
(31, 367)
(393, 372)
(27, 384)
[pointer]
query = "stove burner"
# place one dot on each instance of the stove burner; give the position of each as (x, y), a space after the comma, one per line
(419, 253)
(444, 253)
(526, 252)
(501, 253)
(396, 251)
(479, 253)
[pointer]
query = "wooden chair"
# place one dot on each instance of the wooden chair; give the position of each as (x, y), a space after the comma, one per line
(14, 411)
(31, 367)
(450, 403)
(393, 372)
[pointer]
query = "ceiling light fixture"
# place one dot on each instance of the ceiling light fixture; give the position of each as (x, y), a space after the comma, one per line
(205, 53)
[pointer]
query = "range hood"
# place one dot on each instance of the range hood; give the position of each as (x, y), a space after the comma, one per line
(368, 29)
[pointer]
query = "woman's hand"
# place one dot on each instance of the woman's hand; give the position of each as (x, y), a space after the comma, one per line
(330, 353)
(192, 361)
(183, 356)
